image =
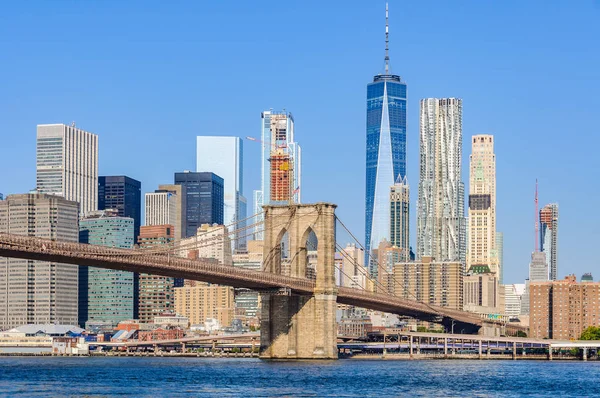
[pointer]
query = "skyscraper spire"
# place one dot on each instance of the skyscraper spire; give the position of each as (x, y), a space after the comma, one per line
(387, 40)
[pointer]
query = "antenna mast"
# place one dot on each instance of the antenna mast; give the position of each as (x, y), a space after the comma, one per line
(537, 224)
(387, 41)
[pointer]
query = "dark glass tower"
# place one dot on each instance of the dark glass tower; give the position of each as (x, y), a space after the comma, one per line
(204, 199)
(123, 194)
(386, 150)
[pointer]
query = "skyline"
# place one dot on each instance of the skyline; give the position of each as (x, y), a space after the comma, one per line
(31, 99)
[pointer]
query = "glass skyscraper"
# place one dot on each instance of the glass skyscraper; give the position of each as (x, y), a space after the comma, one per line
(123, 194)
(386, 153)
(224, 156)
(204, 199)
(106, 295)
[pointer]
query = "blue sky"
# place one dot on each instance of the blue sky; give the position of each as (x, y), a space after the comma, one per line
(149, 76)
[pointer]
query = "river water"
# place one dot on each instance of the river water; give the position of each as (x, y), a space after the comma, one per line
(152, 377)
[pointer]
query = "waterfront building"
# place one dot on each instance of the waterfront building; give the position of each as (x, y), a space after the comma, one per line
(429, 281)
(156, 292)
(441, 225)
(563, 309)
(124, 195)
(204, 199)
(549, 237)
(31, 291)
(224, 156)
(385, 150)
(482, 294)
(512, 299)
(281, 164)
(203, 301)
(483, 256)
(106, 295)
(165, 207)
(400, 217)
(67, 164)
(180, 199)
(210, 242)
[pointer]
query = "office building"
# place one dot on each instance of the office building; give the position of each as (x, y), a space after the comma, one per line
(203, 301)
(123, 194)
(587, 277)
(106, 295)
(483, 256)
(563, 309)
(156, 295)
(165, 207)
(211, 242)
(385, 152)
(247, 302)
(387, 256)
(512, 299)
(180, 199)
(441, 228)
(38, 292)
(281, 164)
(399, 217)
(549, 237)
(67, 164)
(482, 294)
(432, 282)
(538, 268)
(351, 270)
(224, 156)
(204, 199)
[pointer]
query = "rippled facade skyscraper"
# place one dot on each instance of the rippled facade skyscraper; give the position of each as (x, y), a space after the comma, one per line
(386, 151)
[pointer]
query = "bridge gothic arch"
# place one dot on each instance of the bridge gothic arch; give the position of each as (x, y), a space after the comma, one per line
(300, 326)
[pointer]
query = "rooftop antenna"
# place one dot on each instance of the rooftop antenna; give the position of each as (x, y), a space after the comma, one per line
(387, 40)
(537, 225)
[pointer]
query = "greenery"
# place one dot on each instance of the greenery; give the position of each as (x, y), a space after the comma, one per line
(521, 333)
(423, 329)
(591, 333)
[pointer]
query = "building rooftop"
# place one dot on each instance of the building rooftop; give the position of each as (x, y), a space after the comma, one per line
(48, 329)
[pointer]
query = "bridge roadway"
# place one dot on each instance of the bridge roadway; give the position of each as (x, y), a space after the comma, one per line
(32, 248)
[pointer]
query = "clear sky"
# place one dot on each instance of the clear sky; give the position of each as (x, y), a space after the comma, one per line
(149, 76)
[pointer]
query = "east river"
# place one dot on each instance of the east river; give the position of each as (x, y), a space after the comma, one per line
(154, 377)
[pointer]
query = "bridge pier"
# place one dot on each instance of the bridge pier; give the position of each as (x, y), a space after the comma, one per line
(292, 326)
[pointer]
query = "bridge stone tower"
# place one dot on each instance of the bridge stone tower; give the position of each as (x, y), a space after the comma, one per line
(292, 326)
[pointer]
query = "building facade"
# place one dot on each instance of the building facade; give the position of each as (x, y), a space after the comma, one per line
(512, 299)
(482, 252)
(203, 301)
(483, 294)
(400, 217)
(123, 194)
(107, 295)
(563, 309)
(156, 295)
(500, 254)
(281, 164)
(432, 282)
(441, 225)
(67, 164)
(180, 199)
(224, 156)
(549, 237)
(204, 199)
(211, 242)
(38, 292)
(165, 207)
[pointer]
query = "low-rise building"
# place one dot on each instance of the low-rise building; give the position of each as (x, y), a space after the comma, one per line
(203, 301)
(161, 334)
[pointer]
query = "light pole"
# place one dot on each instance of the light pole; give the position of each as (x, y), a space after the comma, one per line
(453, 322)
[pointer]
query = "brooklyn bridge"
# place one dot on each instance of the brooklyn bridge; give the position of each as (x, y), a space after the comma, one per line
(298, 318)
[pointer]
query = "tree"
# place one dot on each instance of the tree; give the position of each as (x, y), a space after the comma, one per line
(521, 333)
(591, 333)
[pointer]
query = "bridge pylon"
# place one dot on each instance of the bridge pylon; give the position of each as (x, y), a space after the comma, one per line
(294, 326)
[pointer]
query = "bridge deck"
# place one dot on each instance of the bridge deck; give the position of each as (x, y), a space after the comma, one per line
(32, 248)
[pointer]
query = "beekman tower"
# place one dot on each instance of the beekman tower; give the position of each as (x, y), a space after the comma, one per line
(386, 150)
